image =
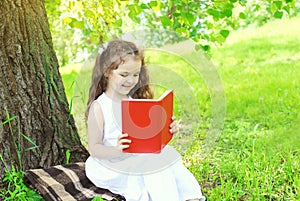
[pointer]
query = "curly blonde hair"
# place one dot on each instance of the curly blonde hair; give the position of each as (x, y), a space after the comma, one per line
(110, 59)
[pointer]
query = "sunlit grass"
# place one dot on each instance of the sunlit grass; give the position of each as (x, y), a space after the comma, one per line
(257, 157)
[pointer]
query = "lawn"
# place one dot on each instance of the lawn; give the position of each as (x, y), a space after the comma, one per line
(257, 154)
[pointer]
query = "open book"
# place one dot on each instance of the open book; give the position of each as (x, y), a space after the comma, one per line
(147, 122)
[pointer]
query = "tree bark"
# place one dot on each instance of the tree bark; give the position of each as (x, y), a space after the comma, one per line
(32, 92)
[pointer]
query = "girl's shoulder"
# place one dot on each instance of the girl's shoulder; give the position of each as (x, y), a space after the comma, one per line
(96, 110)
(102, 102)
(103, 98)
(96, 106)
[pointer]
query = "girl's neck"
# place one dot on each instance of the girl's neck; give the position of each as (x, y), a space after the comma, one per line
(115, 96)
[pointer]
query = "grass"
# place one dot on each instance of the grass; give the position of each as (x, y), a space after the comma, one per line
(13, 187)
(257, 154)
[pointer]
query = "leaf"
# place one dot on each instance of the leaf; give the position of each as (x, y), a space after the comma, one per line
(242, 15)
(278, 4)
(134, 11)
(153, 4)
(118, 23)
(257, 7)
(97, 198)
(31, 148)
(76, 24)
(182, 31)
(224, 33)
(278, 14)
(188, 18)
(206, 48)
(29, 139)
(133, 17)
(243, 2)
(144, 6)
(214, 13)
(287, 9)
(165, 21)
(217, 38)
(68, 154)
(94, 37)
(273, 8)
(67, 20)
(8, 120)
(71, 4)
(89, 14)
(176, 14)
(227, 13)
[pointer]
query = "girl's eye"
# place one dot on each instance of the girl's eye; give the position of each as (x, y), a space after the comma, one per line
(136, 75)
(124, 75)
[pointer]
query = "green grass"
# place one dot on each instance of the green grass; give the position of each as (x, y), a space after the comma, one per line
(258, 154)
(13, 187)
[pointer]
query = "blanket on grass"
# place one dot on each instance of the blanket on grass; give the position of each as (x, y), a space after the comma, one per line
(66, 183)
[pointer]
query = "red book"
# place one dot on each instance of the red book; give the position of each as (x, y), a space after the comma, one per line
(147, 122)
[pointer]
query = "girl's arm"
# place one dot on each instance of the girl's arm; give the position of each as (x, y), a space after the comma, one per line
(95, 136)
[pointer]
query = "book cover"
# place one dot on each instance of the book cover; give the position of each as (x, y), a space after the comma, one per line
(147, 122)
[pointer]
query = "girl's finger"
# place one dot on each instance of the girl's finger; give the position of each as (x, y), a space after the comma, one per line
(122, 141)
(122, 136)
(124, 146)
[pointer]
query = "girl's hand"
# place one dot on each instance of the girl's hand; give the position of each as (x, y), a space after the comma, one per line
(123, 143)
(174, 126)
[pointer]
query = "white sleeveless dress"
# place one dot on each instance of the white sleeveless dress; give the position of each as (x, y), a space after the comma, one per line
(140, 177)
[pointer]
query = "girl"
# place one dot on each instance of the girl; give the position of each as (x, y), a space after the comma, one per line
(120, 73)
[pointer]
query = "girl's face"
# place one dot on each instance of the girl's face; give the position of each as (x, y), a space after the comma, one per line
(124, 78)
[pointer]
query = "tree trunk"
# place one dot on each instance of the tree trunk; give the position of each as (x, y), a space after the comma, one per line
(31, 92)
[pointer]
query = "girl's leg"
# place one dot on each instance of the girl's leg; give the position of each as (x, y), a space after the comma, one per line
(130, 186)
(161, 186)
(188, 186)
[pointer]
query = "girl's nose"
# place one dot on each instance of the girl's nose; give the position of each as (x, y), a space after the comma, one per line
(129, 80)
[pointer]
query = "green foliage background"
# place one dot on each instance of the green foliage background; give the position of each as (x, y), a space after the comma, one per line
(79, 27)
